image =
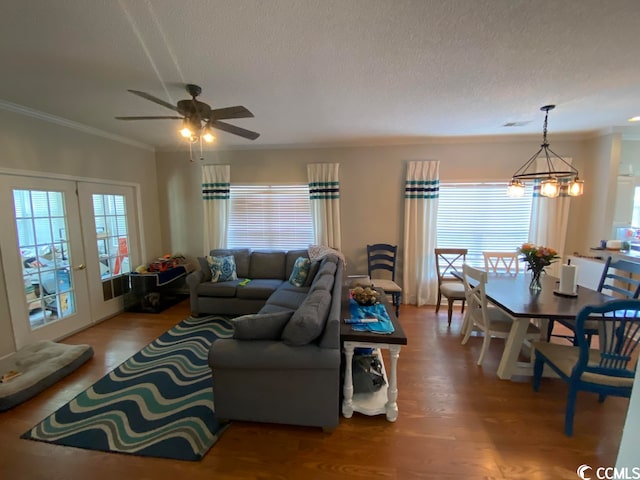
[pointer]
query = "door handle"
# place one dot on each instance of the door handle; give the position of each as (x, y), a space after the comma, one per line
(82, 266)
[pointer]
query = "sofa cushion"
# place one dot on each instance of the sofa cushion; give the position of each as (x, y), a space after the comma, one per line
(288, 298)
(308, 321)
(300, 272)
(204, 268)
(259, 289)
(323, 282)
(267, 265)
(219, 289)
(272, 308)
(241, 255)
(291, 257)
(327, 267)
(223, 269)
(260, 326)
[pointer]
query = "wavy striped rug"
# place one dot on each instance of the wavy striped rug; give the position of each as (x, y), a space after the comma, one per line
(158, 403)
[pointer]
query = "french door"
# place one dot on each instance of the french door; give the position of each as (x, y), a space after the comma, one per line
(66, 250)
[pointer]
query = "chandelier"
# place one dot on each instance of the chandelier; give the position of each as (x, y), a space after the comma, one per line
(557, 174)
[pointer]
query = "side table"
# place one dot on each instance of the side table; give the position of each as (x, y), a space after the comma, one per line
(385, 399)
(154, 291)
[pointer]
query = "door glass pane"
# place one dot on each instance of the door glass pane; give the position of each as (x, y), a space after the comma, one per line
(44, 250)
(112, 240)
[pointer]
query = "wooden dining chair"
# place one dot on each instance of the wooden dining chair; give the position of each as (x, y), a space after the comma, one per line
(501, 262)
(491, 321)
(381, 258)
(448, 261)
(606, 370)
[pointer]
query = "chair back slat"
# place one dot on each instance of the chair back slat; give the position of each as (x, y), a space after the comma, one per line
(382, 256)
(501, 262)
(618, 338)
(475, 281)
(618, 278)
(448, 261)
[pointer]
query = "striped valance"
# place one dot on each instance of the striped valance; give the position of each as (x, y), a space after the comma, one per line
(422, 189)
(324, 190)
(215, 191)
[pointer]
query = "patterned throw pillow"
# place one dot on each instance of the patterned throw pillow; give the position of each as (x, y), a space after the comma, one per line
(222, 269)
(300, 272)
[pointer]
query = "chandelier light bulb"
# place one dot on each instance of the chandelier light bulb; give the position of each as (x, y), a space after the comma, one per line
(550, 188)
(576, 188)
(515, 189)
(186, 132)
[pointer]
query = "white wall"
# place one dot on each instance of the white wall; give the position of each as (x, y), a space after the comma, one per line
(28, 144)
(372, 185)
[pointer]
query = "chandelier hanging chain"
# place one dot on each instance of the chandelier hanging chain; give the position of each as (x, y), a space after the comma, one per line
(524, 173)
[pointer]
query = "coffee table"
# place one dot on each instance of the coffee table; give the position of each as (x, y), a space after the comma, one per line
(384, 400)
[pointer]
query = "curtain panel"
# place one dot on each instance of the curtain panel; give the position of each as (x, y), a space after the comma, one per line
(549, 220)
(216, 182)
(324, 194)
(420, 282)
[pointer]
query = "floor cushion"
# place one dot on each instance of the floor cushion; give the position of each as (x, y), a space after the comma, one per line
(41, 365)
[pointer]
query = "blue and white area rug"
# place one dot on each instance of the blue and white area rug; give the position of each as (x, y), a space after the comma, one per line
(158, 403)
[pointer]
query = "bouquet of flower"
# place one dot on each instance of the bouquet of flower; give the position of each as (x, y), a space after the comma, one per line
(537, 259)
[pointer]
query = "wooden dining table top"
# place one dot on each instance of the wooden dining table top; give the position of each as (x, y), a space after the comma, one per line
(512, 294)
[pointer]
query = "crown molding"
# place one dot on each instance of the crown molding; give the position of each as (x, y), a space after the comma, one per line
(29, 112)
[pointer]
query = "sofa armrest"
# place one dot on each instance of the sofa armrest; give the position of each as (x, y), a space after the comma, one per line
(194, 279)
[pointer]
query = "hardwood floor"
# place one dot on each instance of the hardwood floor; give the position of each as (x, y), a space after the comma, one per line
(456, 420)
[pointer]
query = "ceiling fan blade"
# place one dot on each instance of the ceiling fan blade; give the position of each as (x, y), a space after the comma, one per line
(230, 112)
(149, 118)
(235, 130)
(154, 99)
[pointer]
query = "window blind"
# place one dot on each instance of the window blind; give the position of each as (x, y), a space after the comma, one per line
(480, 217)
(273, 216)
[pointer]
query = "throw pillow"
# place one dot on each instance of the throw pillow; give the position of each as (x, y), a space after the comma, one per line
(260, 326)
(307, 323)
(300, 272)
(313, 270)
(223, 269)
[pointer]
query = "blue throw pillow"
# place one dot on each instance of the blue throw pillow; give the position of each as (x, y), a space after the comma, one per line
(222, 269)
(300, 272)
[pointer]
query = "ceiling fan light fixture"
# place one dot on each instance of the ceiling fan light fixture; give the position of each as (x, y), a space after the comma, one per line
(186, 132)
(208, 135)
(556, 170)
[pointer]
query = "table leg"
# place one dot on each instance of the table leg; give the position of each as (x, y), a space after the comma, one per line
(512, 347)
(347, 402)
(392, 391)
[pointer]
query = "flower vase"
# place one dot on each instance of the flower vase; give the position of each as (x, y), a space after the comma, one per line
(535, 284)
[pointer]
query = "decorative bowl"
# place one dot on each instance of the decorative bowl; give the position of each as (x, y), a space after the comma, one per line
(365, 296)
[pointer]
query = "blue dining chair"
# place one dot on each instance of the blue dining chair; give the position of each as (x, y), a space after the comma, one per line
(606, 370)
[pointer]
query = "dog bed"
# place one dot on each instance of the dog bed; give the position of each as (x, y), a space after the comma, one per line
(40, 364)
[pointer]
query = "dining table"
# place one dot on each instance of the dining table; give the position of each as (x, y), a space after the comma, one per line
(512, 294)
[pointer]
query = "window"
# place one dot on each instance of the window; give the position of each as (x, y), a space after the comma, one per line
(480, 217)
(277, 217)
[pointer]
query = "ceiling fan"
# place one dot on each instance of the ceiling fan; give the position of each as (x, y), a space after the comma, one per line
(198, 117)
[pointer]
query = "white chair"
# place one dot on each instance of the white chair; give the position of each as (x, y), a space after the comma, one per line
(491, 321)
(501, 262)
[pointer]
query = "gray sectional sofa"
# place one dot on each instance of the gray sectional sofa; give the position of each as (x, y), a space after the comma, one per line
(283, 363)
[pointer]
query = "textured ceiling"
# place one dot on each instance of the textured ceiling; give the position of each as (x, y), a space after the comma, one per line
(320, 72)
